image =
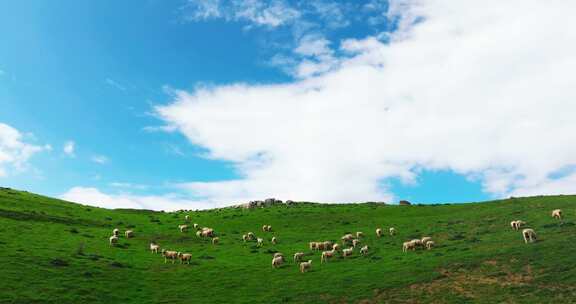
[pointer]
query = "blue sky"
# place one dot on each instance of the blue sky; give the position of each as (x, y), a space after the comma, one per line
(207, 103)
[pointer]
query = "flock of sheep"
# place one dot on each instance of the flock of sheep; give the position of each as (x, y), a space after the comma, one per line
(328, 249)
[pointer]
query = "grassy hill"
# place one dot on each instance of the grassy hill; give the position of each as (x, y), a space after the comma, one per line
(53, 251)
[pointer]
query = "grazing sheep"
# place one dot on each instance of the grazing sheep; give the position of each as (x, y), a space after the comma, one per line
(259, 242)
(183, 228)
(313, 245)
(184, 257)
(279, 254)
(425, 240)
(379, 232)
(328, 245)
(187, 218)
(529, 235)
(364, 250)
(305, 266)
(347, 238)
(320, 246)
(518, 224)
(392, 231)
(128, 234)
(430, 244)
(207, 232)
(359, 234)
(335, 247)
(116, 232)
(409, 245)
(277, 261)
(154, 248)
(169, 254)
(215, 240)
(196, 226)
(245, 238)
(417, 243)
(113, 240)
(347, 252)
(251, 236)
(513, 225)
(355, 243)
(327, 255)
(274, 240)
(557, 214)
(298, 256)
(267, 228)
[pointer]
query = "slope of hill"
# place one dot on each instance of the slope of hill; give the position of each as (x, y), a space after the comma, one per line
(53, 251)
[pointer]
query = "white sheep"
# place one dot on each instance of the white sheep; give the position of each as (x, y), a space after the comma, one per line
(298, 256)
(347, 252)
(187, 218)
(305, 266)
(378, 232)
(392, 231)
(557, 214)
(364, 250)
(529, 235)
(113, 240)
(183, 228)
(409, 245)
(278, 254)
(328, 245)
(347, 238)
(327, 255)
(129, 234)
(154, 248)
(425, 240)
(169, 254)
(199, 233)
(417, 243)
(245, 238)
(215, 240)
(207, 232)
(274, 240)
(184, 257)
(359, 234)
(335, 247)
(313, 245)
(196, 226)
(116, 232)
(259, 242)
(251, 236)
(277, 261)
(430, 244)
(513, 225)
(355, 243)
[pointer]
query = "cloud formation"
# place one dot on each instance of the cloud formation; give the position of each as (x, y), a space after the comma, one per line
(476, 88)
(69, 148)
(15, 151)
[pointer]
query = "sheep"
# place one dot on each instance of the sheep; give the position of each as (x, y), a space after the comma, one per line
(425, 240)
(183, 228)
(392, 231)
(184, 257)
(328, 245)
(116, 232)
(207, 232)
(529, 235)
(187, 218)
(513, 225)
(259, 242)
(557, 214)
(305, 266)
(516, 225)
(267, 228)
(355, 243)
(347, 238)
(313, 245)
(430, 244)
(320, 246)
(279, 254)
(417, 243)
(378, 232)
(169, 254)
(277, 261)
(154, 248)
(298, 256)
(113, 240)
(251, 236)
(274, 240)
(364, 250)
(327, 255)
(245, 238)
(199, 233)
(359, 234)
(409, 245)
(335, 247)
(215, 240)
(129, 234)
(347, 252)
(196, 226)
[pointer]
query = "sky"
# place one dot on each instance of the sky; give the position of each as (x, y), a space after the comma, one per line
(190, 104)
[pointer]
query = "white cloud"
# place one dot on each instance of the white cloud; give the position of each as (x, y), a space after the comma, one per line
(69, 148)
(94, 197)
(100, 159)
(115, 84)
(129, 185)
(478, 88)
(15, 152)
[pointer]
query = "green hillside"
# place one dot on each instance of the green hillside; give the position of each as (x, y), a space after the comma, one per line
(53, 251)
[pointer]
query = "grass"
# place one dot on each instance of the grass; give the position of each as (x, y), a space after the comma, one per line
(53, 251)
